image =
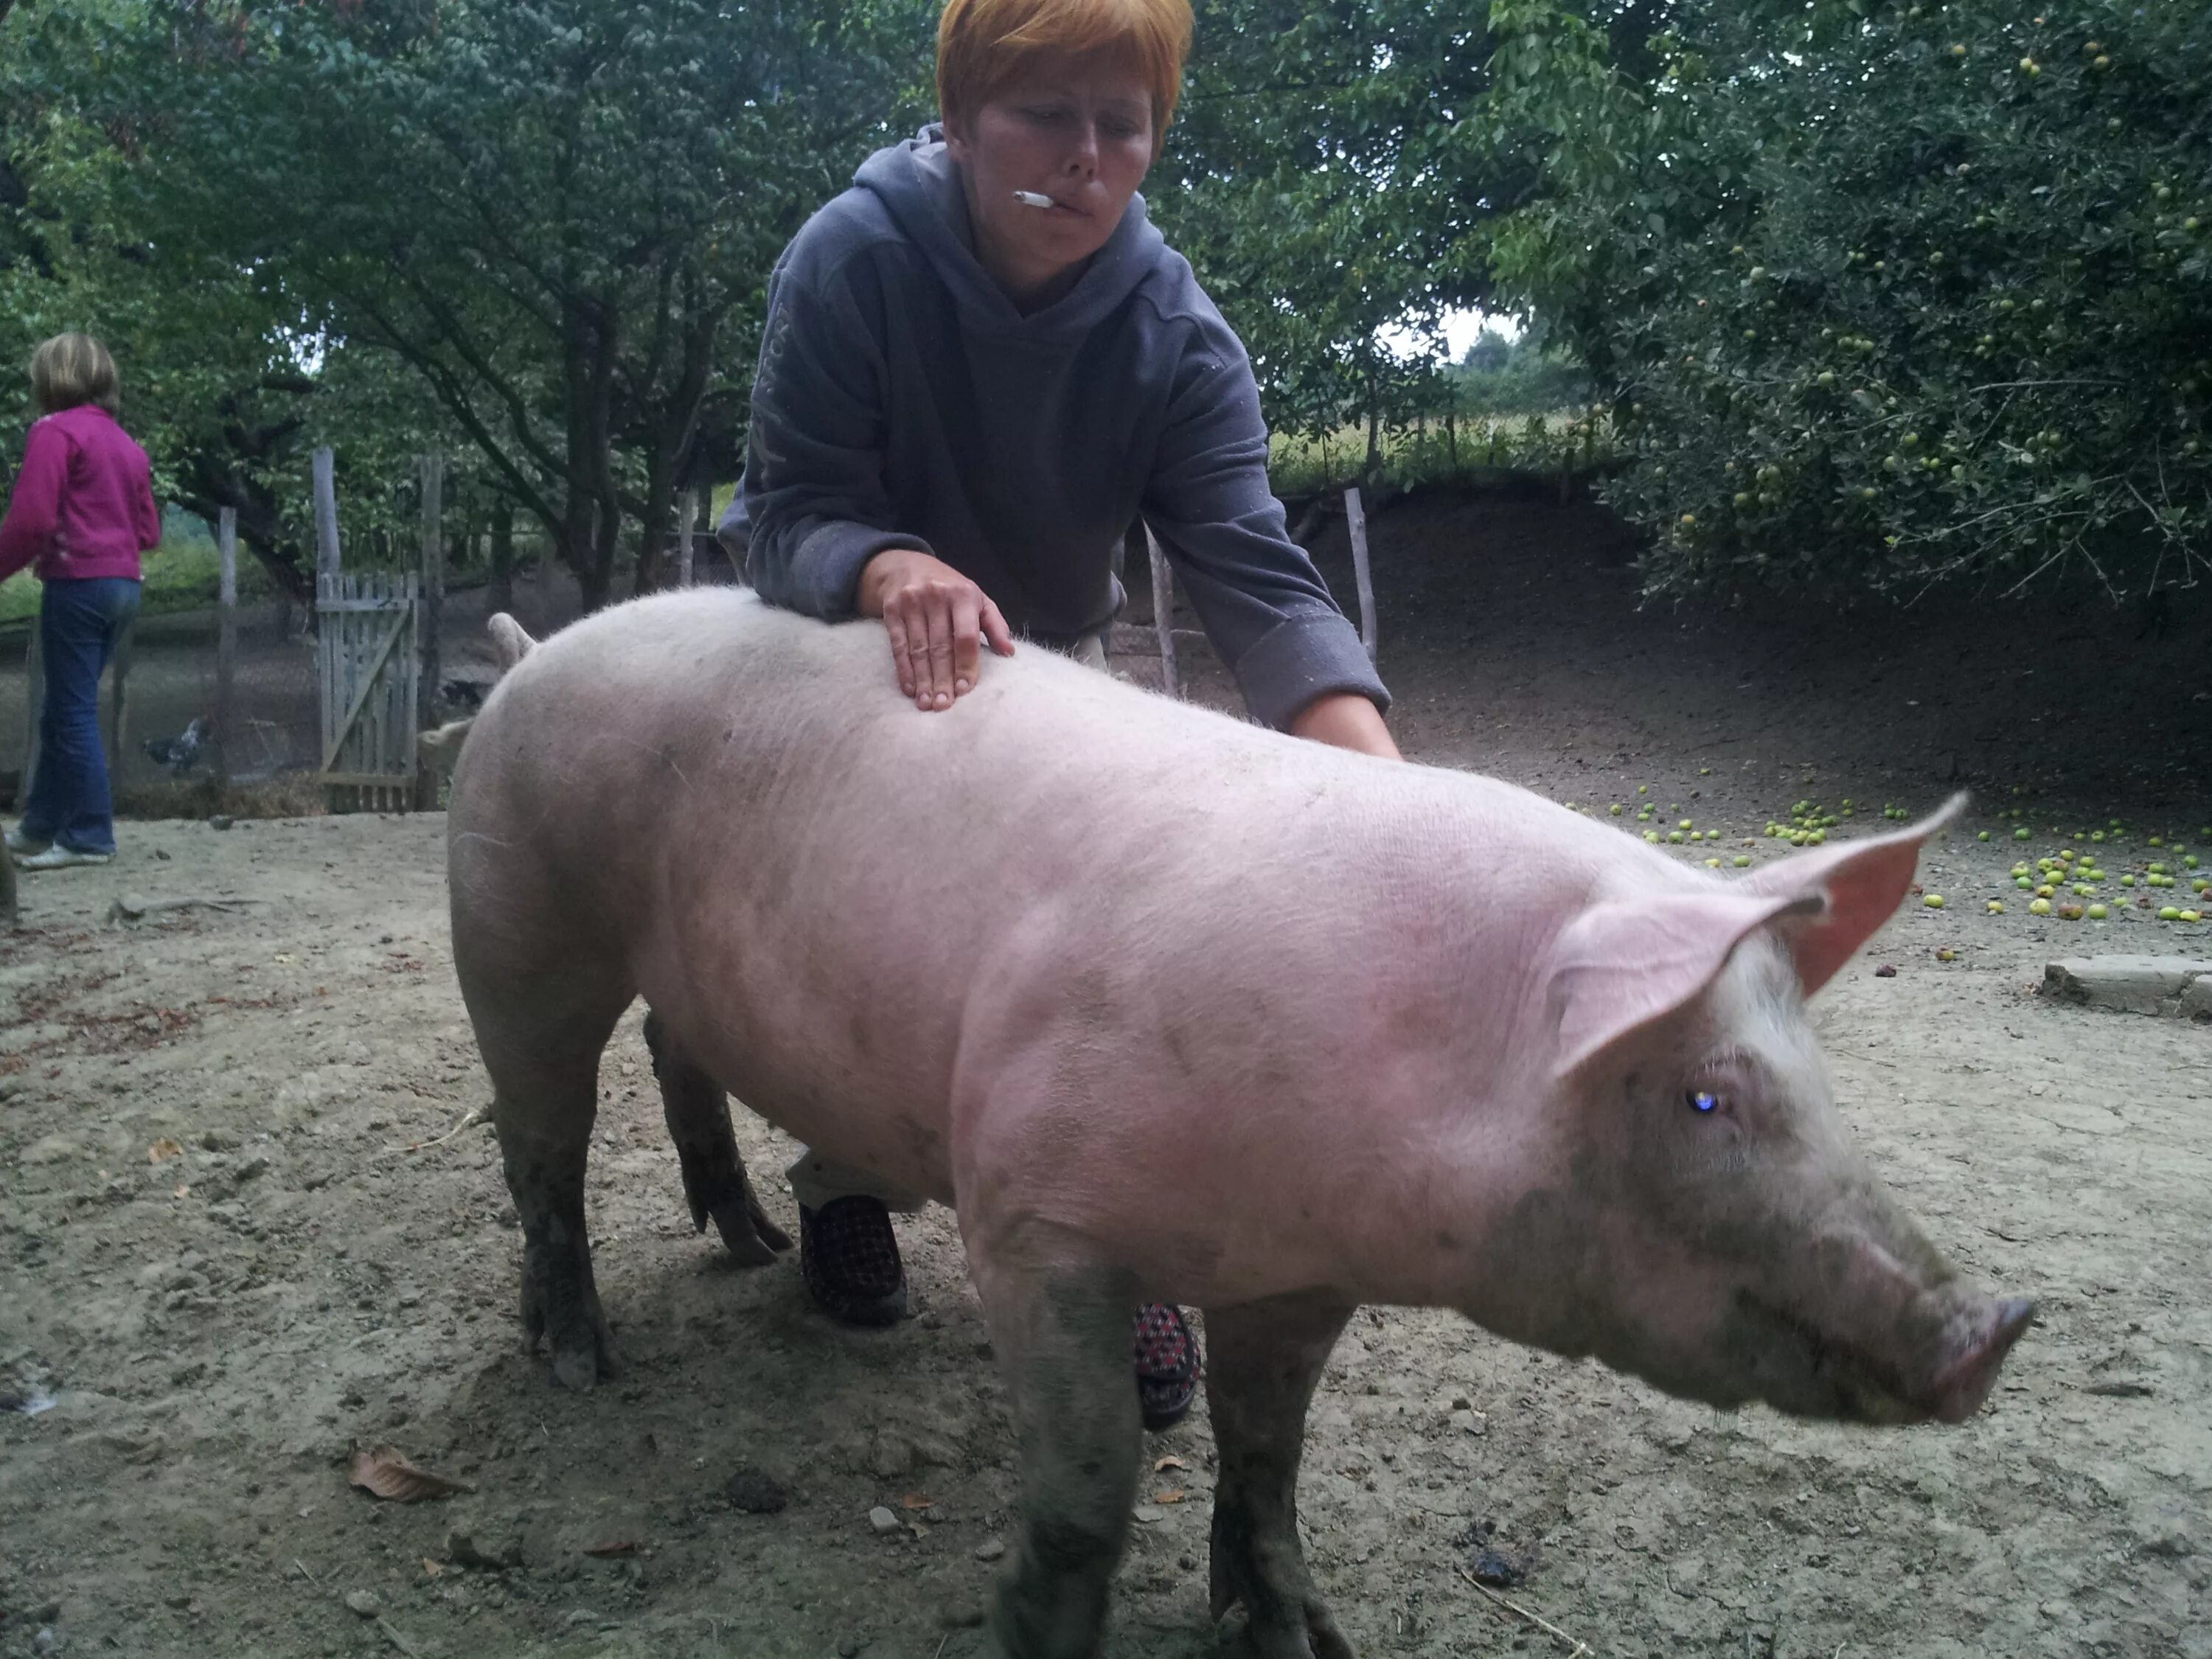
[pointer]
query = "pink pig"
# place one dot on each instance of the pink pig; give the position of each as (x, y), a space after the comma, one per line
(1171, 1007)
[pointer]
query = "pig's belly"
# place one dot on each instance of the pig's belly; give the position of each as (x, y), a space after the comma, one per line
(804, 1054)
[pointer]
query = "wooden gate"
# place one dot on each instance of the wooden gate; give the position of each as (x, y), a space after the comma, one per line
(366, 650)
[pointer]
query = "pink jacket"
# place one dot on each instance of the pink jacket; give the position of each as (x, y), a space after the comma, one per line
(83, 503)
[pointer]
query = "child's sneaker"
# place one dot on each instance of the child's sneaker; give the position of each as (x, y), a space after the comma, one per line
(58, 857)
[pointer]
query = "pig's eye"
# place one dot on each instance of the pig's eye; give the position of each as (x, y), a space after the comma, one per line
(1704, 1100)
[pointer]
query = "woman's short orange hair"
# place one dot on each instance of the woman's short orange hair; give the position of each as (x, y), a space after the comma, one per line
(982, 45)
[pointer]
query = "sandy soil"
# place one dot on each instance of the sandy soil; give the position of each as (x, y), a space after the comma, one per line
(320, 1260)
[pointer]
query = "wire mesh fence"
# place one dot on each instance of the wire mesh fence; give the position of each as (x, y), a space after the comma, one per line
(167, 763)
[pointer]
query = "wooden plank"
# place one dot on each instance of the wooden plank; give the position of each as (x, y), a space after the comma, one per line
(1163, 614)
(434, 581)
(226, 640)
(1355, 517)
(326, 513)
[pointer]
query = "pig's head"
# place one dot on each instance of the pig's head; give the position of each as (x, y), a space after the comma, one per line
(1709, 1226)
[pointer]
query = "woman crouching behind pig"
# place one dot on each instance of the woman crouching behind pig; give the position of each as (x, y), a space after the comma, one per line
(981, 365)
(83, 511)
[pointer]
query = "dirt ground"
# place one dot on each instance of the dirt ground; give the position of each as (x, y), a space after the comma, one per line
(241, 1231)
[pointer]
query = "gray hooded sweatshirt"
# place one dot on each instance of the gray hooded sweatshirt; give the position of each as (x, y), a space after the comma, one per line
(903, 401)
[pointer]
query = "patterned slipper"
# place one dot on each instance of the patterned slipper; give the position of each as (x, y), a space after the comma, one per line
(1167, 1365)
(849, 1257)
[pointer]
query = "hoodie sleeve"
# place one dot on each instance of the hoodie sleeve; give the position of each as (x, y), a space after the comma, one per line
(814, 509)
(1265, 607)
(35, 504)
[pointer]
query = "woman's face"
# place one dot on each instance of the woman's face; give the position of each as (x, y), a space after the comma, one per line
(1076, 129)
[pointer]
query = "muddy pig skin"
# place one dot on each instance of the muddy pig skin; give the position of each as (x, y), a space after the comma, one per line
(1171, 1007)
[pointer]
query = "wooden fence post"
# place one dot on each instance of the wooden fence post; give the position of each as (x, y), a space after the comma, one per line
(428, 616)
(118, 702)
(687, 522)
(226, 641)
(326, 513)
(1355, 518)
(1163, 614)
(432, 469)
(34, 710)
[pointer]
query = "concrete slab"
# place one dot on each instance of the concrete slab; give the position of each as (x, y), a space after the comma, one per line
(2172, 986)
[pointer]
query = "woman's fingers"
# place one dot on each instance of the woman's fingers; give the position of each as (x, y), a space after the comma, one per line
(901, 660)
(937, 621)
(967, 640)
(940, 647)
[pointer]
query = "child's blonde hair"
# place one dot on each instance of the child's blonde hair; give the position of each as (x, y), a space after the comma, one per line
(71, 370)
(983, 45)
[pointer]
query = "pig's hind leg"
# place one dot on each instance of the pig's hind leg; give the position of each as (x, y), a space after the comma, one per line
(1264, 1360)
(541, 1035)
(714, 1182)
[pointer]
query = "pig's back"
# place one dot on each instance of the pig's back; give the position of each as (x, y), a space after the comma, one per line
(824, 887)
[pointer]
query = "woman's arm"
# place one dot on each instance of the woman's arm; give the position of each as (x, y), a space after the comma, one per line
(34, 504)
(815, 502)
(146, 511)
(820, 524)
(1264, 605)
(1348, 720)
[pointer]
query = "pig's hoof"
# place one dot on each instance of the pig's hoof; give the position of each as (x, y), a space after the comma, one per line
(750, 1237)
(593, 1359)
(1289, 1619)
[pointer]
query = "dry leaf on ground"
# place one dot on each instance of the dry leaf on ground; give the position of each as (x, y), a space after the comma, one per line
(432, 1568)
(1167, 1463)
(914, 1500)
(386, 1471)
(163, 1150)
(1175, 1497)
(627, 1546)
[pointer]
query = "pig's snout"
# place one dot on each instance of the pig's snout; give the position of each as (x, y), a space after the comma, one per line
(1966, 1381)
(1937, 1356)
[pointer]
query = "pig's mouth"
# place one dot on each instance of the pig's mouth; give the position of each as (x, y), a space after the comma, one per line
(1826, 1375)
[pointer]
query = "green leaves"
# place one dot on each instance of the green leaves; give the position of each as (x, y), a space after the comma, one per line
(1837, 238)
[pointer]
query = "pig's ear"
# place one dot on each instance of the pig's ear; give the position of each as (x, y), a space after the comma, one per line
(1626, 964)
(1860, 885)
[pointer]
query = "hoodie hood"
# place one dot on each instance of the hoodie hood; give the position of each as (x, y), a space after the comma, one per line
(919, 184)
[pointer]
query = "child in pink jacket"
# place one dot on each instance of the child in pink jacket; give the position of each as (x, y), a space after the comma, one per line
(82, 511)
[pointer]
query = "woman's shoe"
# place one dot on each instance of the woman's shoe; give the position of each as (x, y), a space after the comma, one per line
(58, 857)
(24, 846)
(849, 1258)
(1167, 1365)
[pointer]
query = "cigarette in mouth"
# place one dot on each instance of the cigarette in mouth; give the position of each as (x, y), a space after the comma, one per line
(1032, 198)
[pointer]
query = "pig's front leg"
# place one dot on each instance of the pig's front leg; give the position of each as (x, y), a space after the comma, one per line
(1061, 1331)
(714, 1182)
(1263, 1361)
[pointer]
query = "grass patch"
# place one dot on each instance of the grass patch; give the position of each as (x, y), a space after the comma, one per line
(182, 573)
(1563, 442)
